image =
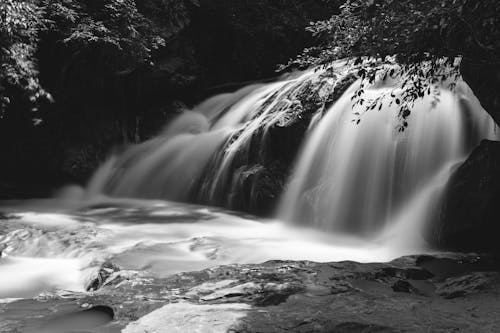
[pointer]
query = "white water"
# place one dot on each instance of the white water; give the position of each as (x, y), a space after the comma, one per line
(49, 251)
(368, 177)
(171, 165)
(374, 189)
(197, 157)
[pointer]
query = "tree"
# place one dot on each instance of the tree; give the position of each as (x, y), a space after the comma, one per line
(116, 35)
(20, 24)
(424, 37)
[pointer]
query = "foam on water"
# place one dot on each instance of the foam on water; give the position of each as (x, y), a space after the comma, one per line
(157, 238)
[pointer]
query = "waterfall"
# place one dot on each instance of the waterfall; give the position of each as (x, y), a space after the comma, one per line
(193, 158)
(368, 178)
(363, 178)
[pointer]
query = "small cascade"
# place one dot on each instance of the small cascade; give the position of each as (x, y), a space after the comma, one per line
(227, 168)
(194, 157)
(169, 165)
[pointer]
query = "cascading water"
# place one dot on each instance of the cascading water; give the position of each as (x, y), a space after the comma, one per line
(373, 187)
(351, 177)
(193, 159)
(367, 177)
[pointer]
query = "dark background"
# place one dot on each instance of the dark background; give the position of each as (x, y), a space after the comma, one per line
(219, 45)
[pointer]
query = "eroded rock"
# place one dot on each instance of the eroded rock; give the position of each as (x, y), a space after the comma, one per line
(406, 295)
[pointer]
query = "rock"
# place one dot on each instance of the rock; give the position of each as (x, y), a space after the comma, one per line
(361, 328)
(417, 287)
(105, 272)
(470, 214)
(185, 317)
(258, 188)
(402, 286)
(287, 296)
(405, 273)
(448, 265)
(484, 80)
(2, 248)
(466, 284)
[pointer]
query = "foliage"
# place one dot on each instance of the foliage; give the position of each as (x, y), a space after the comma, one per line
(115, 26)
(20, 23)
(170, 16)
(116, 35)
(423, 37)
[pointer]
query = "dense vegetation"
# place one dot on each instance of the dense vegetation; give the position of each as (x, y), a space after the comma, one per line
(113, 34)
(65, 69)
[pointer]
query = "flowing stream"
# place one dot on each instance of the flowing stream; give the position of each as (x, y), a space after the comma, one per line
(150, 208)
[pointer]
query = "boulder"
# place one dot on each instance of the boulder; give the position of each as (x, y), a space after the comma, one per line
(470, 213)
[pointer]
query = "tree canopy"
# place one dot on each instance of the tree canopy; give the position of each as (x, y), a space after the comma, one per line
(20, 23)
(424, 37)
(118, 35)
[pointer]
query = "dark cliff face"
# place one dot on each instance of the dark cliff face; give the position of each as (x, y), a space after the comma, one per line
(470, 215)
(211, 46)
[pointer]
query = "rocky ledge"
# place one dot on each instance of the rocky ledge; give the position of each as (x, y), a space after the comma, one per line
(431, 293)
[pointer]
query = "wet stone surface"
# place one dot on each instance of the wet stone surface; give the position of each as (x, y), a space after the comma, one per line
(439, 293)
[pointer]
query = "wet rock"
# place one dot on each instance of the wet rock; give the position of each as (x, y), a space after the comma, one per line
(258, 188)
(470, 215)
(105, 272)
(451, 265)
(402, 286)
(361, 328)
(286, 296)
(405, 273)
(466, 284)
